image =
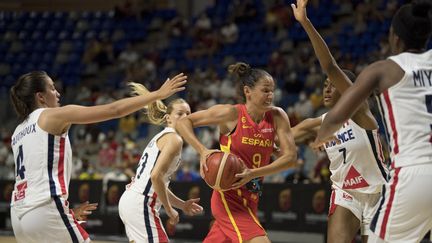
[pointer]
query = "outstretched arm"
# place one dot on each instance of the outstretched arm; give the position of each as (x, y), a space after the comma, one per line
(337, 77)
(325, 58)
(306, 129)
(62, 117)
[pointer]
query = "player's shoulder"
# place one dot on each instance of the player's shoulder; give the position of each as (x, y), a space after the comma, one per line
(172, 139)
(278, 112)
(225, 109)
(383, 66)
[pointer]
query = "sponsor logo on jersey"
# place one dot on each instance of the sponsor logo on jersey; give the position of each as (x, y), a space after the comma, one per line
(347, 196)
(267, 130)
(354, 180)
(20, 192)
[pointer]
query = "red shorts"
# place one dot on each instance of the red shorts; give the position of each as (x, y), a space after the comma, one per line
(235, 217)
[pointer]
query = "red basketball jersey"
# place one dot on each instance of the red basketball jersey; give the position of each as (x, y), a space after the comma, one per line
(252, 142)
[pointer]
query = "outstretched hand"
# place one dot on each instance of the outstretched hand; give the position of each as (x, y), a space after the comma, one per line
(84, 209)
(172, 86)
(300, 10)
(191, 207)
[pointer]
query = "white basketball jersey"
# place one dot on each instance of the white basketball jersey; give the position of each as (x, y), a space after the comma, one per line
(42, 165)
(406, 109)
(142, 182)
(357, 162)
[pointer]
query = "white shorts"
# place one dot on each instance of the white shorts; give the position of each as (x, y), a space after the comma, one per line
(50, 223)
(141, 218)
(405, 209)
(362, 205)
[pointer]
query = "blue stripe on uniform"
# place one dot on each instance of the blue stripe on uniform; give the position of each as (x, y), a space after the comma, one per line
(147, 219)
(65, 219)
(374, 150)
(146, 211)
(51, 164)
(383, 120)
(375, 218)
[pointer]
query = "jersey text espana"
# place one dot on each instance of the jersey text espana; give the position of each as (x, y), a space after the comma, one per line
(252, 142)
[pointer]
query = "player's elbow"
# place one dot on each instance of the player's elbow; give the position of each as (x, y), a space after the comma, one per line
(155, 178)
(291, 160)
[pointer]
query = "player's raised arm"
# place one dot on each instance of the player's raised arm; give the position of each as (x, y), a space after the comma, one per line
(328, 64)
(64, 116)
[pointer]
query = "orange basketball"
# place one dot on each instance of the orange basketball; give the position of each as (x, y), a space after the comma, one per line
(222, 168)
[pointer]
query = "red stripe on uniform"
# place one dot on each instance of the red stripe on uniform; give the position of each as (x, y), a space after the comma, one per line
(392, 121)
(161, 233)
(389, 204)
(61, 166)
(82, 231)
(332, 203)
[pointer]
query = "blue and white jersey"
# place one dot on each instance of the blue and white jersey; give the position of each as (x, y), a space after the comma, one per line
(357, 161)
(406, 108)
(142, 182)
(43, 164)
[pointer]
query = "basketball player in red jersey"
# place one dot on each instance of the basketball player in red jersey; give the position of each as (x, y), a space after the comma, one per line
(247, 130)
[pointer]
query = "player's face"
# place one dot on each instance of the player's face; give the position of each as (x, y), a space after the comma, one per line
(179, 111)
(50, 96)
(262, 94)
(330, 94)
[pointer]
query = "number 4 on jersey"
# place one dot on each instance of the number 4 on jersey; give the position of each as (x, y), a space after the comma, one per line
(20, 169)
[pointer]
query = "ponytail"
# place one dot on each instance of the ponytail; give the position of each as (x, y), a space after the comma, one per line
(156, 111)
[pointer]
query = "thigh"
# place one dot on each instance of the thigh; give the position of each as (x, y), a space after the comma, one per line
(20, 236)
(216, 234)
(404, 213)
(343, 225)
(53, 222)
(370, 206)
(258, 239)
(141, 220)
(235, 217)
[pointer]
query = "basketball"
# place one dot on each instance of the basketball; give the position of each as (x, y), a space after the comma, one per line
(222, 168)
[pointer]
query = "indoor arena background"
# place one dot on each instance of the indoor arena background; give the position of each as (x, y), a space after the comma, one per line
(93, 47)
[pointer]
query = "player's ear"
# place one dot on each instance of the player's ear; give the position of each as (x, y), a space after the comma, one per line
(247, 91)
(167, 118)
(39, 98)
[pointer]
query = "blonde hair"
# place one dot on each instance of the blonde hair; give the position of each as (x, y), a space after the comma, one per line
(156, 111)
